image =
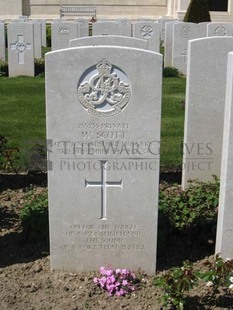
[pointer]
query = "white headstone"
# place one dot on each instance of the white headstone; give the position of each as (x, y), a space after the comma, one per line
(2, 42)
(203, 29)
(103, 121)
(168, 44)
(148, 31)
(84, 26)
(20, 49)
(162, 22)
(109, 40)
(124, 27)
(43, 31)
(105, 28)
(182, 33)
(63, 32)
(219, 29)
(37, 39)
(224, 240)
(204, 110)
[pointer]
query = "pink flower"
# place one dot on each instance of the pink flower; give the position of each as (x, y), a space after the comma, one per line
(111, 279)
(96, 280)
(102, 270)
(124, 282)
(124, 271)
(102, 281)
(108, 272)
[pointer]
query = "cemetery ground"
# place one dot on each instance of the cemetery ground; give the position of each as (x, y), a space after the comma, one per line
(25, 278)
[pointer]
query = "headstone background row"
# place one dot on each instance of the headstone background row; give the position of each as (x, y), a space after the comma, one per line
(63, 32)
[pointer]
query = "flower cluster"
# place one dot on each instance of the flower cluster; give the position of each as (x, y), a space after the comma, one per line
(117, 282)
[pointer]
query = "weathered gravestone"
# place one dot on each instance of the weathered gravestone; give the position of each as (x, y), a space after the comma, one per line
(219, 29)
(182, 33)
(105, 28)
(109, 40)
(20, 49)
(204, 110)
(148, 31)
(224, 240)
(2, 42)
(103, 121)
(63, 32)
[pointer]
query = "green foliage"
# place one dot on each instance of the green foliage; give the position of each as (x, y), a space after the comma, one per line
(218, 274)
(3, 68)
(197, 12)
(9, 156)
(193, 209)
(175, 283)
(170, 72)
(39, 66)
(34, 218)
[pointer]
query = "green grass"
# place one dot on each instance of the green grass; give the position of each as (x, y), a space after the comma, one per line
(22, 106)
(22, 117)
(172, 122)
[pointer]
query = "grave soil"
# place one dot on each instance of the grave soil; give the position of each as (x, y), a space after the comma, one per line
(26, 282)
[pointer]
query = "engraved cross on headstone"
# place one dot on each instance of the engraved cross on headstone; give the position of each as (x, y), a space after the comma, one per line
(103, 184)
(20, 46)
(185, 55)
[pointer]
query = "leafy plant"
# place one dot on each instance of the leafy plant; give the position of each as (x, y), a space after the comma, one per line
(192, 209)
(39, 66)
(9, 156)
(117, 282)
(219, 273)
(48, 35)
(175, 283)
(170, 72)
(197, 12)
(34, 218)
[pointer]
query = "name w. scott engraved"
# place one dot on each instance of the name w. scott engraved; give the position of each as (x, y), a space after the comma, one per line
(103, 184)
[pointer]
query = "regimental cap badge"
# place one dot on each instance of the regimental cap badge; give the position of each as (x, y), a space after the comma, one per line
(104, 89)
